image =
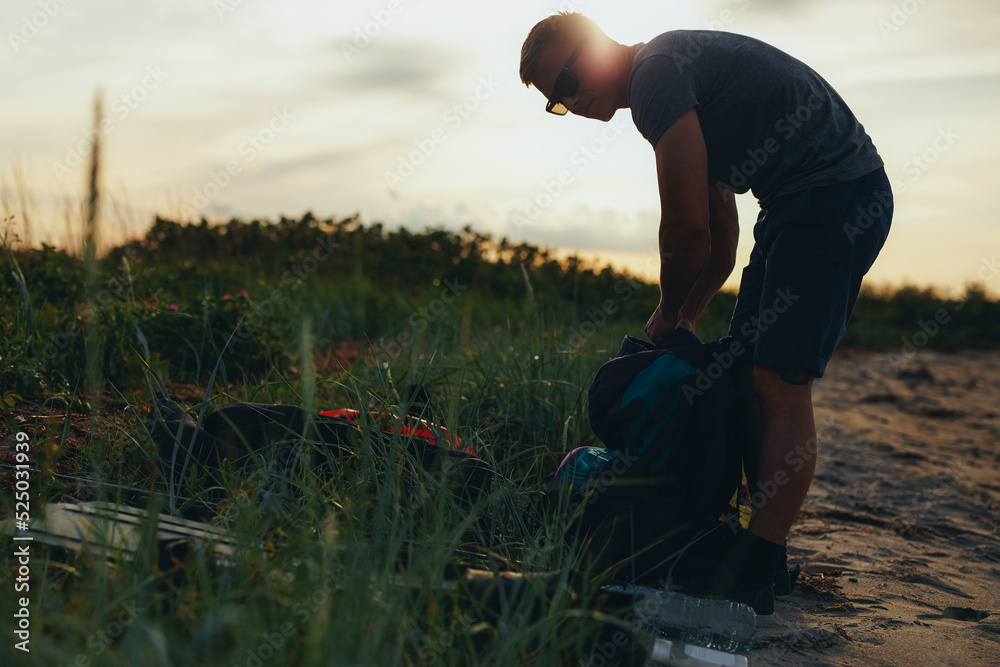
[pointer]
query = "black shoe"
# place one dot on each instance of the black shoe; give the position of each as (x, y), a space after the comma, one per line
(722, 587)
(721, 584)
(784, 580)
(784, 576)
(748, 572)
(782, 584)
(760, 599)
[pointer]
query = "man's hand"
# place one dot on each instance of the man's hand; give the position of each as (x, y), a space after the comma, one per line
(660, 326)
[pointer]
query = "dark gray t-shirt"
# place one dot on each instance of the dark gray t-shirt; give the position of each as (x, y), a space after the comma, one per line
(771, 124)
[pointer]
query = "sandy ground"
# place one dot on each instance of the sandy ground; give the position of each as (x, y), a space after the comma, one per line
(899, 537)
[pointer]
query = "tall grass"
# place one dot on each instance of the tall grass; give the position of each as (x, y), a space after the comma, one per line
(91, 227)
(356, 568)
(364, 566)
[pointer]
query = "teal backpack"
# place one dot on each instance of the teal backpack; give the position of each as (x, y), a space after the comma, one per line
(658, 501)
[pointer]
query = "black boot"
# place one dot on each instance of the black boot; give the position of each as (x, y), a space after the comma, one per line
(748, 572)
(784, 576)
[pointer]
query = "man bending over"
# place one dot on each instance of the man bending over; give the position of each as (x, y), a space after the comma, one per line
(728, 114)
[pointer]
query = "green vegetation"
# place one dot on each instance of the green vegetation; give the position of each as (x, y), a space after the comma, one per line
(173, 299)
(329, 314)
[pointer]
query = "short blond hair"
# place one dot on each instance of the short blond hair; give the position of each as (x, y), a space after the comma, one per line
(556, 29)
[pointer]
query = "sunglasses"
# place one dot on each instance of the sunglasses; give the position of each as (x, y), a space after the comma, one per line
(565, 86)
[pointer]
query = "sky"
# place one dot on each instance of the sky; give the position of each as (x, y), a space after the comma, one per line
(411, 112)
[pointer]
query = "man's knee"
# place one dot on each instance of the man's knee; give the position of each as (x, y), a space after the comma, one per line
(777, 385)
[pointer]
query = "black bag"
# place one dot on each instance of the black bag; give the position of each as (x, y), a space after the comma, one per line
(658, 497)
(281, 437)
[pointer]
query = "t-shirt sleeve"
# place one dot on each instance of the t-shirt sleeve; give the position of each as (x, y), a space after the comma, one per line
(661, 90)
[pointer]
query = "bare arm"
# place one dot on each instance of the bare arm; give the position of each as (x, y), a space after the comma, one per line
(725, 232)
(685, 239)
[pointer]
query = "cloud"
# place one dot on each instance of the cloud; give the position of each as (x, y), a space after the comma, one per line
(281, 170)
(412, 70)
(783, 7)
(588, 229)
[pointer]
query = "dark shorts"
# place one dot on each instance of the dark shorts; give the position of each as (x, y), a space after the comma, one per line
(811, 250)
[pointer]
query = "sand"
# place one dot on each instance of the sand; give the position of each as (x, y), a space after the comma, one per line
(899, 537)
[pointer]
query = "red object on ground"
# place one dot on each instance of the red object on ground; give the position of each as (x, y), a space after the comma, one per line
(408, 425)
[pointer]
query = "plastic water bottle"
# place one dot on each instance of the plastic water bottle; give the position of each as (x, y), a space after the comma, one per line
(716, 624)
(663, 652)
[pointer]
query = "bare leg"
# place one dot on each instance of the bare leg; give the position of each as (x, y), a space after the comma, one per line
(787, 461)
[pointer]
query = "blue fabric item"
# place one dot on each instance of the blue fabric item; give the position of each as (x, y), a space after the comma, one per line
(651, 404)
(635, 400)
(577, 465)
